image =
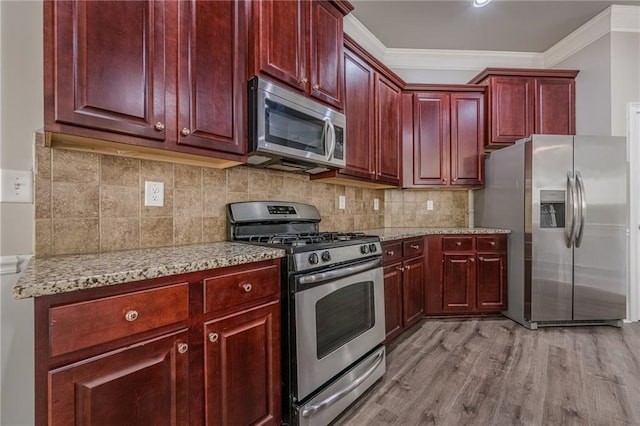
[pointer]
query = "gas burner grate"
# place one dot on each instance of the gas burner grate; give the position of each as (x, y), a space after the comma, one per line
(306, 238)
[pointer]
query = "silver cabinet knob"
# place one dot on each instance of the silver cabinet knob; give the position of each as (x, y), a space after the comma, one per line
(390, 253)
(213, 337)
(316, 86)
(247, 287)
(481, 259)
(414, 246)
(159, 126)
(185, 132)
(458, 243)
(131, 316)
(304, 81)
(492, 243)
(183, 348)
(472, 259)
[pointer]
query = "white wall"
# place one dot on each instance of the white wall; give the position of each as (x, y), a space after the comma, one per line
(436, 76)
(625, 78)
(21, 114)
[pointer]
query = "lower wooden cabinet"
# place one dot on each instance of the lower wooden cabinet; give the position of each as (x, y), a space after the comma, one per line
(467, 274)
(241, 362)
(403, 284)
(151, 353)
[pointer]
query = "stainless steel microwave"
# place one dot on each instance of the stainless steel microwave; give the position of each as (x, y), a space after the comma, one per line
(288, 131)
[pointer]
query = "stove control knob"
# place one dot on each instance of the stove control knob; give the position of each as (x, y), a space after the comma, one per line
(313, 258)
(364, 249)
(326, 256)
(372, 248)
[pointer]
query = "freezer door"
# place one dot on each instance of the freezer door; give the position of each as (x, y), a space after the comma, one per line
(600, 251)
(549, 215)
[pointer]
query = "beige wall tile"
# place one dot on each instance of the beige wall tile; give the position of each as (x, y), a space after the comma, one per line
(43, 195)
(119, 201)
(119, 234)
(214, 229)
(187, 203)
(214, 204)
(75, 200)
(44, 237)
(71, 236)
(187, 177)
(43, 160)
(119, 171)
(214, 180)
(76, 167)
(156, 232)
(258, 184)
(238, 179)
(187, 230)
(157, 171)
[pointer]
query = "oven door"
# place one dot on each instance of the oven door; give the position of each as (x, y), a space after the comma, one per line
(339, 317)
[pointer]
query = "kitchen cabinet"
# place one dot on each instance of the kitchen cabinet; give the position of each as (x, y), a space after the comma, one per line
(166, 77)
(300, 44)
(372, 107)
(467, 274)
(403, 284)
(195, 348)
(522, 102)
(443, 137)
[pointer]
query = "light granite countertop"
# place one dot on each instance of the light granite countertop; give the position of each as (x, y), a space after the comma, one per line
(390, 234)
(60, 274)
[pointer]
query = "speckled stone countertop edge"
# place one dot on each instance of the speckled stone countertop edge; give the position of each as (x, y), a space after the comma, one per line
(61, 274)
(391, 234)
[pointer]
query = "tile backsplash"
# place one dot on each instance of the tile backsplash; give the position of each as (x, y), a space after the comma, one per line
(89, 203)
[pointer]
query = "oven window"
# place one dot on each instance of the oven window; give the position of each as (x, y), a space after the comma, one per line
(343, 315)
(291, 128)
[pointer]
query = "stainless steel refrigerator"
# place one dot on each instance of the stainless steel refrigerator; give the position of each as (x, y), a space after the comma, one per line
(565, 200)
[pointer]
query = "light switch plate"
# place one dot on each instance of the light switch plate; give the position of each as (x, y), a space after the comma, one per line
(342, 202)
(429, 204)
(376, 204)
(16, 186)
(153, 194)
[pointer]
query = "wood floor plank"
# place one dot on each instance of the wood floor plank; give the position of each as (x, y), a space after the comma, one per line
(492, 371)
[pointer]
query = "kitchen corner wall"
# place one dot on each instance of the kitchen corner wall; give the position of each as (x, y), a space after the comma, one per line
(90, 203)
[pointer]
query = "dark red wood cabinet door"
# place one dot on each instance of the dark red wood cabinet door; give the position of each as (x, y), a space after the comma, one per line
(145, 384)
(388, 127)
(211, 71)
(109, 66)
(325, 55)
(467, 138)
(554, 106)
(511, 109)
(491, 286)
(242, 368)
(458, 282)
(358, 108)
(282, 27)
(431, 124)
(413, 290)
(393, 300)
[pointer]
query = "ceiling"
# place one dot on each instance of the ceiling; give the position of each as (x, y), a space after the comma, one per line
(502, 25)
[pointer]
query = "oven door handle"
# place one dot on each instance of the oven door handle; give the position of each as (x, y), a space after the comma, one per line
(309, 411)
(339, 273)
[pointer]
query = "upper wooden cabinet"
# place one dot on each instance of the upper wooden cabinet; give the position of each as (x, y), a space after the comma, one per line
(372, 107)
(159, 74)
(443, 137)
(522, 102)
(300, 43)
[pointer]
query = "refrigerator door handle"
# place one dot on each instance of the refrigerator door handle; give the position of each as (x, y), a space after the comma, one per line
(570, 228)
(582, 201)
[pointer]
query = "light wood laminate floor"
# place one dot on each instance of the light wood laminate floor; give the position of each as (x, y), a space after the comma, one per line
(493, 371)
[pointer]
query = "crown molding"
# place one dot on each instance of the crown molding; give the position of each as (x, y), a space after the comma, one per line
(616, 18)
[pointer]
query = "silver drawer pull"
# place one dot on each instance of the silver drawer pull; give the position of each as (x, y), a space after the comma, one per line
(492, 243)
(183, 348)
(159, 126)
(458, 243)
(414, 246)
(131, 316)
(247, 287)
(390, 253)
(213, 337)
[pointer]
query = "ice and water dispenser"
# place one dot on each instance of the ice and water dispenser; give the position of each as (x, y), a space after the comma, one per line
(552, 209)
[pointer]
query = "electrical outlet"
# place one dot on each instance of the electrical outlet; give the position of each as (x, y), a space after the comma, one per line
(342, 202)
(376, 204)
(429, 204)
(153, 194)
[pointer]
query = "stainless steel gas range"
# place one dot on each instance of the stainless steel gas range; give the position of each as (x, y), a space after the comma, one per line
(332, 307)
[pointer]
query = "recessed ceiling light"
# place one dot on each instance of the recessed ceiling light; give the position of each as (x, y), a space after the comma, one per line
(480, 3)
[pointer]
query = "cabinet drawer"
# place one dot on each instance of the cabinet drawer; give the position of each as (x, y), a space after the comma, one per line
(491, 243)
(413, 247)
(81, 325)
(241, 289)
(391, 252)
(457, 243)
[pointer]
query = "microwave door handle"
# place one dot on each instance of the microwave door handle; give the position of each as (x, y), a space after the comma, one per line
(332, 138)
(582, 202)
